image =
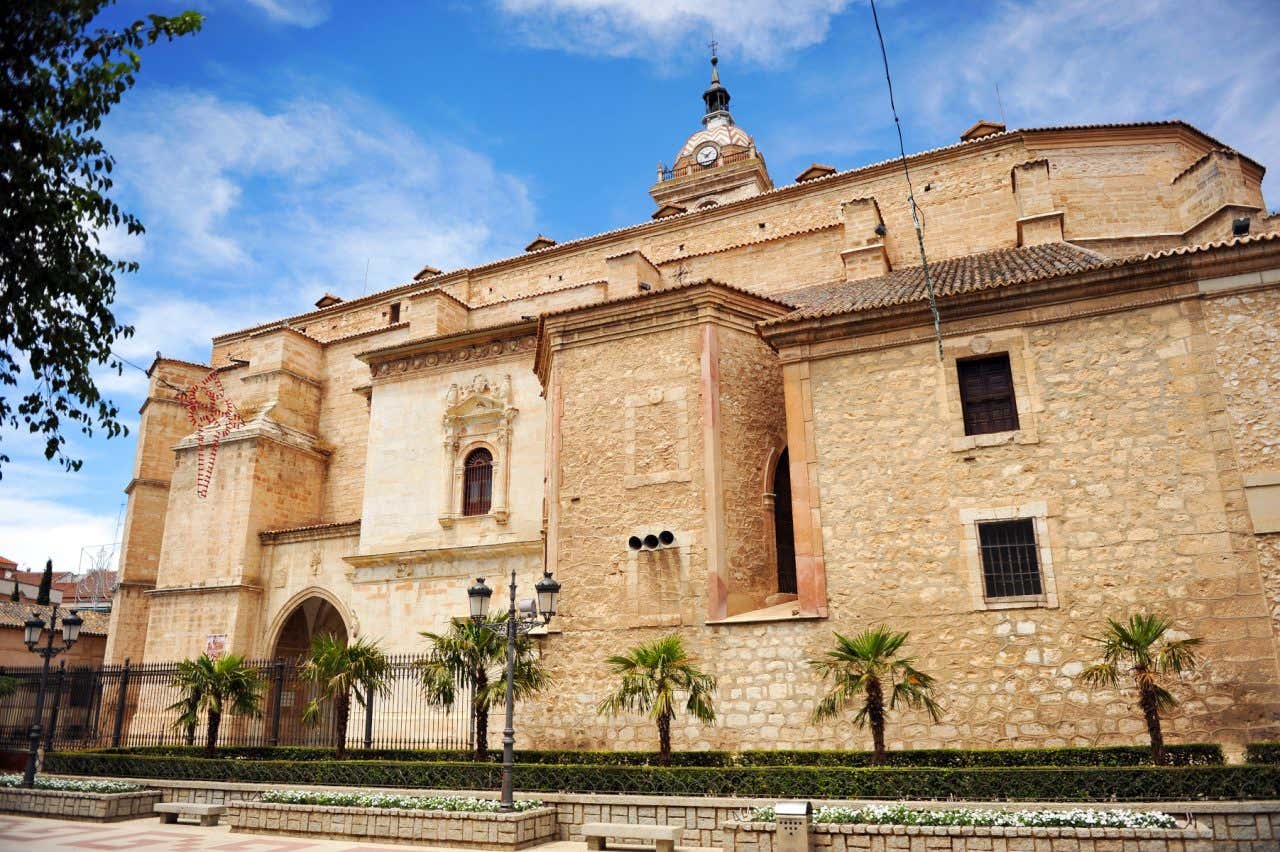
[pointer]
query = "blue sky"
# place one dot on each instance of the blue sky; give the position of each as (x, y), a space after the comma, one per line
(295, 144)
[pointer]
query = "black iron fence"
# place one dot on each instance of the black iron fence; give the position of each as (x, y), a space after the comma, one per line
(92, 707)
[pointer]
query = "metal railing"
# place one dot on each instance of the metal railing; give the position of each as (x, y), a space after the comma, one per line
(694, 168)
(128, 705)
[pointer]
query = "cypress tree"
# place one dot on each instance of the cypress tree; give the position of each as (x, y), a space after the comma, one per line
(15, 597)
(46, 584)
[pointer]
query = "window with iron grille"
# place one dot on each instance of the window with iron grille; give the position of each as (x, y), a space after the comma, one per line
(986, 395)
(1010, 561)
(477, 482)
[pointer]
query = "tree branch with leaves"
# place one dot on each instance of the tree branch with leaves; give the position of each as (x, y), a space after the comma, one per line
(58, 81)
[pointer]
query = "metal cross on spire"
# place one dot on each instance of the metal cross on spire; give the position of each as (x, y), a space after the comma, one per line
(713, 44)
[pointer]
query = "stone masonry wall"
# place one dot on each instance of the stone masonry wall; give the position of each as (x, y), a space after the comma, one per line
(1137, 519)
(1243, 331)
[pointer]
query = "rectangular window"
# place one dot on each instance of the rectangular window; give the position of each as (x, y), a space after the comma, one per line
(1010, 562)
(394, 314)
(986, 395)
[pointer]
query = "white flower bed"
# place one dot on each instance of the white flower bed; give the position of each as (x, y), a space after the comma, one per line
(387, 800)
(903, 815)
(71, 785)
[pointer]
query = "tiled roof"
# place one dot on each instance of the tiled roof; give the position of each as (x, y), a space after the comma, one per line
(973, 273)
(956, 275)
(16, 614)
(780, 191)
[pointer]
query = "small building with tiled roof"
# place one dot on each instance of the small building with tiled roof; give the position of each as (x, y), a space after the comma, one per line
(88, 650)
(767, 413)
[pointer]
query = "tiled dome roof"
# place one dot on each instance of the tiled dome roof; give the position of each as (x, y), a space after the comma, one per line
(720, 133)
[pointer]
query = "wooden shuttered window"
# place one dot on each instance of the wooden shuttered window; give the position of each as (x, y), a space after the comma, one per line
(986, 395)
(477, 482)
(1010, 560)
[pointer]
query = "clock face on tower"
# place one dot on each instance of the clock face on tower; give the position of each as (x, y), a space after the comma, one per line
(707, 155)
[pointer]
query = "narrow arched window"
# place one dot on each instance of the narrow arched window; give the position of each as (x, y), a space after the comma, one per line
(477, 482)
(783, 528)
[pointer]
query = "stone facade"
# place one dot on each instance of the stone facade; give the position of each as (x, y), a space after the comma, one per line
(722, 822)
(648, 379)
(490, 831)
(761, 837)
(66, 804)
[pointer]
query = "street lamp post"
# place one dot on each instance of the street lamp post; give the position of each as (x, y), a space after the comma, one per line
(32, 629)
(520, 619)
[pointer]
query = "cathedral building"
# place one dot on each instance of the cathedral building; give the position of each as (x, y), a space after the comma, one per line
(738, 421)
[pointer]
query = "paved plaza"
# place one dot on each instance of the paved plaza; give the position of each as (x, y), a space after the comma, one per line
(28, 834)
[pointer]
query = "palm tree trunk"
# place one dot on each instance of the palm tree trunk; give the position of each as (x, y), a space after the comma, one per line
(664, 739)
(1151, 712)
(211, 734)
(341, 713)
(479, 681)
(875, 716)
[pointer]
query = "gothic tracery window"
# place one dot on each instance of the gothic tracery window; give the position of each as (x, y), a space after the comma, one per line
(477, 482)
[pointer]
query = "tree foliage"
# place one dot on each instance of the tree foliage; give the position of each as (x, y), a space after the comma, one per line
(225, 686)
(474, 656)
(46, 584)
(652, 677)
(862, 668)
(58, 80)
(1141, 650)
(341, 671)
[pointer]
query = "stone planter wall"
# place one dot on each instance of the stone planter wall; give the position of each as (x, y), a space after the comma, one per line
(759, 837)
(704, 818)
(66, 804)
(396, 825)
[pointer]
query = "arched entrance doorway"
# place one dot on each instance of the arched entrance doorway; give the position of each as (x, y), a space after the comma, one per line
(314, 616)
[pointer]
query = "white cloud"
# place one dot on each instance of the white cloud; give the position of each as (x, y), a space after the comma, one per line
(1064, 62)
(298, 13)
(253, 205)
(33, 530)
(764, 31)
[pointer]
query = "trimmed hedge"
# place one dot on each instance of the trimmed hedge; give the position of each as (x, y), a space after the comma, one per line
(1262, 752)
(1006, 783)
(1193, 754)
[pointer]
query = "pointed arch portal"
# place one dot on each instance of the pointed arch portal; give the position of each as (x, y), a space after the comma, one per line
(314, 616)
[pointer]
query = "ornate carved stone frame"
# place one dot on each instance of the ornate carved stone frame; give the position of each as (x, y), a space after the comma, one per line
(479, 414)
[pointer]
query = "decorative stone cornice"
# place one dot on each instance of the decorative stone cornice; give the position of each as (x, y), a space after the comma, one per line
(647, 313)
(451, 351)
(263, 429)
(154, 483)
(313, 532)
(211, 586)
(474, 560)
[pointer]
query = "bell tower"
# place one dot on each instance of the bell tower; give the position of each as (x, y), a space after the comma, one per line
(717, 164)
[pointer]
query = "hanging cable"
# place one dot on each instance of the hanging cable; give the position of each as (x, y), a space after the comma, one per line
(146, 372)
(911, 194)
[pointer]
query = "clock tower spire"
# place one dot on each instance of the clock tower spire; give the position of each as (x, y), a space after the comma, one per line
(717, 164)
(716, 97)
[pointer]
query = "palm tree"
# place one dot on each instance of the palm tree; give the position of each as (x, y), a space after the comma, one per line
(863, 668)
(341, 670)
(652, 675)
(473, 656)
(1141, 649)
(216, 687)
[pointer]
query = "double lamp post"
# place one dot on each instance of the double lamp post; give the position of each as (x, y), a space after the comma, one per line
(32, 629)
(521, 618)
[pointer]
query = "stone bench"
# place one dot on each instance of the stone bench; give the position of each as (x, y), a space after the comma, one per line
(664, 837)
(208, 814)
